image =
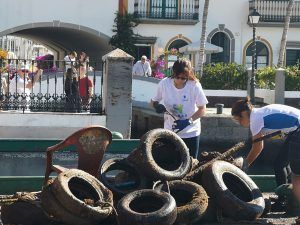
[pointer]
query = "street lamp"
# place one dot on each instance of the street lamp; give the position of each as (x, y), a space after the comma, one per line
(253, 19)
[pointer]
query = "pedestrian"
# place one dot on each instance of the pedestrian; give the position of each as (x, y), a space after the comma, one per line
(86, 87)
(183, 98)
(268, 119)
(83, 60)
(142, 67)
(70, 60)
(72, 91)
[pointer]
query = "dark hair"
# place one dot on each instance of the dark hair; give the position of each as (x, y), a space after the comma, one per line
(240, 106)
(183, 66)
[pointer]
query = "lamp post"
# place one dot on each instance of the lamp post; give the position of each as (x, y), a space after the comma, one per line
(253, 19)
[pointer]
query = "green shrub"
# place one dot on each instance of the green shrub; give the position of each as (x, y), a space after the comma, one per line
(292, 78)
(224, 76)
(221, 76)
(265, 78)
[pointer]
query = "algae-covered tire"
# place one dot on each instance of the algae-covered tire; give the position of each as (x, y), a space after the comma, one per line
(23, 213)
(129, 178)
(191, 200)
(147, 207)
(161, 155)
(57, 212)
(233, 190)
(79, 192)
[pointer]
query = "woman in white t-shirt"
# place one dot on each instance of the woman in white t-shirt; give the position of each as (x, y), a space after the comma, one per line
(269, 119)
(183, 97)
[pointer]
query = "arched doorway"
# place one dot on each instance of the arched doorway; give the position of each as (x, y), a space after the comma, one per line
(176, 44)
(262, 55)
(222, 40)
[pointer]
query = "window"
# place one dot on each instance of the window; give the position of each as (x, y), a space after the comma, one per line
(222, 40)
(292, 57)
(164, 9)
(262, 55)
(175, 45)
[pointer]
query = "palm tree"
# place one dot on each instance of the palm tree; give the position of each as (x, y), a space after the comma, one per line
(284, 33)
(203, 37)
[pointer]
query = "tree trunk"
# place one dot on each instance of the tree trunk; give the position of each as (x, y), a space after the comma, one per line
(284, 33)
(203, 37)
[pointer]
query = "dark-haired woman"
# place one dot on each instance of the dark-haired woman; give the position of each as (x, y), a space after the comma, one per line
(183, 97)
(270, 119)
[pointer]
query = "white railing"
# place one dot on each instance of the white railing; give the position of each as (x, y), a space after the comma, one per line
(274, 10)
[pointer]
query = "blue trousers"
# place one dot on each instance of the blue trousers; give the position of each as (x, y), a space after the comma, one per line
(193, 145)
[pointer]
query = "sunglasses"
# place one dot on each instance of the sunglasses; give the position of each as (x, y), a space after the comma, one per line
(181, 78)
(25, 71)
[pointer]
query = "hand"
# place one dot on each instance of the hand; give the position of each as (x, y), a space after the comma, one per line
(159, 108)
(179, 125)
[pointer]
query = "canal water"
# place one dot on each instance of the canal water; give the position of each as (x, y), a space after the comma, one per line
(34, 164)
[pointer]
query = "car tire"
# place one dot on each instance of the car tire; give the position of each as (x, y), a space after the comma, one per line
(161, 155)
(147, 207)
(233, 190)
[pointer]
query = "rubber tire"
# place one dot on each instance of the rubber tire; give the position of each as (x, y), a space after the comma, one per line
(57, 212)
(231, 204)
(165, 215)
(193, 210)
(27, 214)
(62, 192)
(144, 161)
(120, 163)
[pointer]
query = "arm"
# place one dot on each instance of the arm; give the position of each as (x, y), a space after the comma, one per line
(199, 113)
(149, 71)
(256, 149)
(30, 84)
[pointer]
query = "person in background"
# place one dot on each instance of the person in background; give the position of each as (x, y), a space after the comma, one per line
(72, 91)
(183, 98)
(70, 60)
(268, 119)
(86, 87)
(83, 58)
(21, 83)
(142, 67)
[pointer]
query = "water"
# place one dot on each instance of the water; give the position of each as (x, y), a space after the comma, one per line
(34, 164)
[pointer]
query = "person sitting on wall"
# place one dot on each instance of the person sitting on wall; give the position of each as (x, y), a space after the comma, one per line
(142, 67)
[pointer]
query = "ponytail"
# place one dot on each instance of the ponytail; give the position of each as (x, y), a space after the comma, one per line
(240, 106)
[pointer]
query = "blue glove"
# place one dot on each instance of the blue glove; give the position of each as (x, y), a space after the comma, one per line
(179, 125)
(159, 108)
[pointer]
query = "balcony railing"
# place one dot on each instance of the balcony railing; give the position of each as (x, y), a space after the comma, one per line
(53, 89)
(167, 9)
(274, 11)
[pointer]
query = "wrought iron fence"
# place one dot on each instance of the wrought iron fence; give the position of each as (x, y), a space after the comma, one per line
(51, 86)
(275, 10)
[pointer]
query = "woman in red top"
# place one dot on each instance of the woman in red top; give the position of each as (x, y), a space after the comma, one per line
(85, 87)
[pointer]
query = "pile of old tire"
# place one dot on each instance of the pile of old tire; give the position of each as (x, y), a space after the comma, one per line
(147, 207)
(161, 155)
(77, 198)
(234, 192)
(120, 177)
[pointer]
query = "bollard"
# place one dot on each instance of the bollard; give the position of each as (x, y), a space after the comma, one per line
(219, 108)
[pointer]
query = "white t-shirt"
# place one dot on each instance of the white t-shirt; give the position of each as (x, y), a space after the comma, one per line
(18, 87)
(142, 69)
(69, 62)
(273, 118)
(181, 103)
